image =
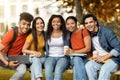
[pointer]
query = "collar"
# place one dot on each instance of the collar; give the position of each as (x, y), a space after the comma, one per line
(94, 33)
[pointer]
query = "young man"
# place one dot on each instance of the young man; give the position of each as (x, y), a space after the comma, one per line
(107, 46)
(16, 49)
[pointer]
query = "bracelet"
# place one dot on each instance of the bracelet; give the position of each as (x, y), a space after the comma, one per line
(8, 63)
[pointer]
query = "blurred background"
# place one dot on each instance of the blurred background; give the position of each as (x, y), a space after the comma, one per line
(107, 11)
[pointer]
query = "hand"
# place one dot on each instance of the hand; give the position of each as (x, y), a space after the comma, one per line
(13, 64)
(98, 59)
(37, 54)
(69, 51)
(102, 58)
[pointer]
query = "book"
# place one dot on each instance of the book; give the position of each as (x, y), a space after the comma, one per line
(75, 54)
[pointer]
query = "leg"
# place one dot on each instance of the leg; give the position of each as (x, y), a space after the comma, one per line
(20, 72)
(91, 68)
(36, 68)
(32, 73)
(107, 69)
(61, 66)
(49, 67)
(79, 68)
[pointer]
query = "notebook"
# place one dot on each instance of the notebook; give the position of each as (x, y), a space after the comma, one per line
(75, 54)
(22, 59)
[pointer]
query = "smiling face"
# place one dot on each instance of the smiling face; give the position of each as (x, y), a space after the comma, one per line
(71, 25)
(91, 24)
(56, 23)
(24, 26)
(39, 25)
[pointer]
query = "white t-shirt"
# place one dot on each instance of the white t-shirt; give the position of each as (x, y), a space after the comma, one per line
(98, 47)
(56, 47)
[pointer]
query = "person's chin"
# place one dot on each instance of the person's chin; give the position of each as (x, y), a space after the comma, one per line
(91, 30)
(40, 30)
(70, 30)
(24, 32)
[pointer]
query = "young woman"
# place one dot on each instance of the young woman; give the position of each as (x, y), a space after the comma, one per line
(80, 44)
(34, 46)
(57, 38)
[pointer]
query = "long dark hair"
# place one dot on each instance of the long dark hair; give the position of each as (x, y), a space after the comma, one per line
(50, 28)
(34, 32)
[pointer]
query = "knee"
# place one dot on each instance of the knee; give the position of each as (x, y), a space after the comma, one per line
(21, 69)
(77, 59)
(60, 68)
(36, 60)
(88, 65)
(105, 69)
(46, 65)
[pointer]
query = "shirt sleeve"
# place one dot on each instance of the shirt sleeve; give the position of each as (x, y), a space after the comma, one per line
(29, 38)
(7, 37)
(85, 32)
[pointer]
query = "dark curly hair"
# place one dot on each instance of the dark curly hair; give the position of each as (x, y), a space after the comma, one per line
(50, 28)
(26, 16)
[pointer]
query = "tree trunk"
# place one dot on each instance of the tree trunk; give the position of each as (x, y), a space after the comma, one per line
(79, 10)
(111, 26)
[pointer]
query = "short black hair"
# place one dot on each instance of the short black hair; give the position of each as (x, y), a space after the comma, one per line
(73, 18)
(89, 15)
(26, 16)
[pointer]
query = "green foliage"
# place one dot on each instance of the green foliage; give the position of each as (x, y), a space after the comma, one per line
(105, 10)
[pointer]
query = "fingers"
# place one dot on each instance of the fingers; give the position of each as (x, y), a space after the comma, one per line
(100, 59)
(37, 54)
(13, 64)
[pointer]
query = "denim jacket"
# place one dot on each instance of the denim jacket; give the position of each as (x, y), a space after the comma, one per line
(109, 42)
(66, 43)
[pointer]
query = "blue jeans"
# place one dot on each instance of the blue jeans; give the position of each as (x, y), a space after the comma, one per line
(79, 72)
(105, 69)
(57, 65)
(36, 67)
(20, 72)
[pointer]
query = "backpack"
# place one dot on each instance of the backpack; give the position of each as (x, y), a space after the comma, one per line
(15, 29)
(11, 42)
(15, 34)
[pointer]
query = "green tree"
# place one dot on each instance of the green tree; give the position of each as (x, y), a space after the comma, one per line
(107, 11)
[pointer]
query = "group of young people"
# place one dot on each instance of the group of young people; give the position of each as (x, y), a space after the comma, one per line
(47, 48)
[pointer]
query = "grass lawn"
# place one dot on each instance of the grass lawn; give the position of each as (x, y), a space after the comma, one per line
(5, 74)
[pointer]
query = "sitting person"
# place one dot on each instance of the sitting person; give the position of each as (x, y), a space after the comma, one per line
(80, 44)
(107, 46)
(16, 49)
(56, 61)
(34, 46)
